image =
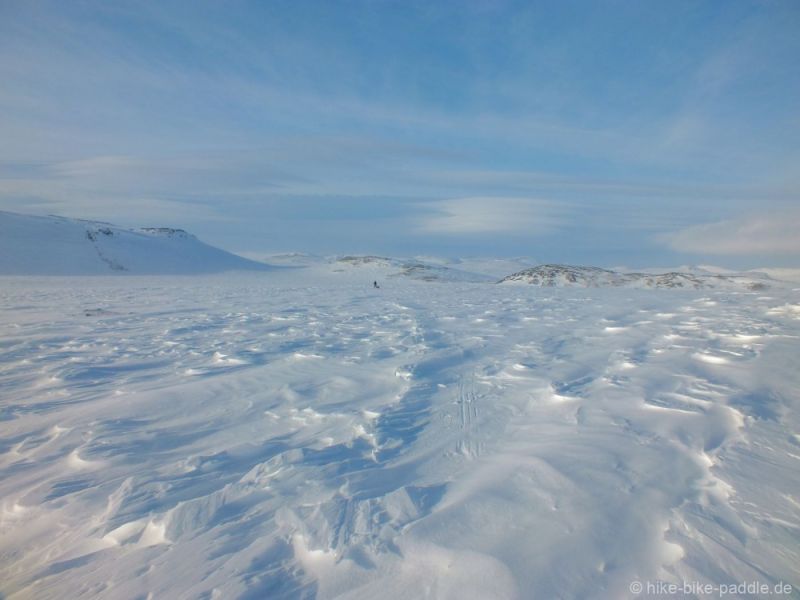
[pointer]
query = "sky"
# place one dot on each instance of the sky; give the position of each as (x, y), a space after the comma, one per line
(604, 132)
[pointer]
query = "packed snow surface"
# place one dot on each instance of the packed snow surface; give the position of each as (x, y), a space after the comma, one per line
(280, 435)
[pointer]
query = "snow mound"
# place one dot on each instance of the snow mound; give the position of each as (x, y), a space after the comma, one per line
(52, 245)
(595, 277)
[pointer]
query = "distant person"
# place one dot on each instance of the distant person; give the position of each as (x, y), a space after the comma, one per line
(375, 285)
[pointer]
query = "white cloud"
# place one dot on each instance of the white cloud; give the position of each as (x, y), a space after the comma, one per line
(487, 214)
(95, 166)
(777, 233)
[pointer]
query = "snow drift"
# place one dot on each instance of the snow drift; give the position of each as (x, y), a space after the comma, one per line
(291, 437)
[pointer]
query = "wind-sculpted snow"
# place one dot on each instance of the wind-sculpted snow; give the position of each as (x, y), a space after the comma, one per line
(265, 437)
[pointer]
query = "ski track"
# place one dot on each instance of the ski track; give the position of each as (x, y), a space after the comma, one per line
(246, 439)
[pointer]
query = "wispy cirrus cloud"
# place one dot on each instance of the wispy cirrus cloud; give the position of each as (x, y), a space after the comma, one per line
(487, 214)
(773, 234)
(329, 126)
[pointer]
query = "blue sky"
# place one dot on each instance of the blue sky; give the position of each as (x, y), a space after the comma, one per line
(607, 132)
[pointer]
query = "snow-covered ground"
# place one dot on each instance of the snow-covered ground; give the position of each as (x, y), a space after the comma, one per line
(291, 435)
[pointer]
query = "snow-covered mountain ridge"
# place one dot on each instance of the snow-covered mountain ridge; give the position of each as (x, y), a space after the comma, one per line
(555, 275)
(52, 245)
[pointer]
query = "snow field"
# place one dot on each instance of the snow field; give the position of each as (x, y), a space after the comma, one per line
(268, 436)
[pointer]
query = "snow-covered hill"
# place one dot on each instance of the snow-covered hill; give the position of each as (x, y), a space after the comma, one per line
(495, 267)
(31, 245)
(594, 277)
(381, 266)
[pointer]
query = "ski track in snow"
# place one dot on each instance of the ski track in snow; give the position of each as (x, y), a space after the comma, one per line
(245, 438)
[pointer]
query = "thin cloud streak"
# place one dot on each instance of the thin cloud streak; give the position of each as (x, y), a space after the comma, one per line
(481, 215)
(774, 234)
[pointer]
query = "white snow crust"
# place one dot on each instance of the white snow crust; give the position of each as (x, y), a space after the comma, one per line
(299, 434)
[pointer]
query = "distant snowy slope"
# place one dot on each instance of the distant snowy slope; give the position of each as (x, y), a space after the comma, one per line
(492, 266)
(31, 245)
(380, 266)
(594, 277)
(784, 274)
